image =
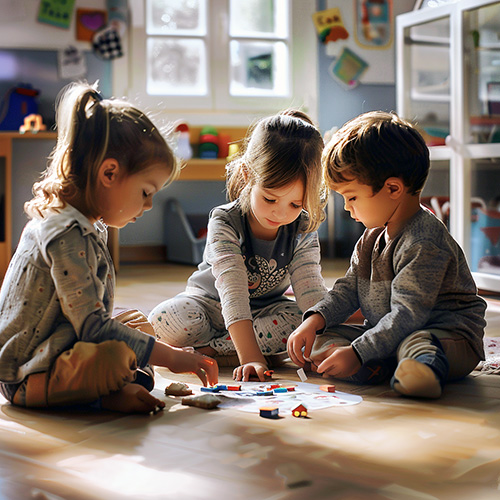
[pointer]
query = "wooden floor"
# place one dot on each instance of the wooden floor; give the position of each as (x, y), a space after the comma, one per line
(386, 447)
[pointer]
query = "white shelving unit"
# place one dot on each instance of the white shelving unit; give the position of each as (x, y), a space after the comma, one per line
(448, 83)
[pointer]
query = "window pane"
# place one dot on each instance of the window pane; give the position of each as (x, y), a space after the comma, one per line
(258, 18)
(176, 66)
(169, 17)
(259, 69)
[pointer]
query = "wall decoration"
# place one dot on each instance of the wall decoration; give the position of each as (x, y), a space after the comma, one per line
(71, 63)
(370, 26)
(348, 68)
(329, 25)
(88, 22)
(118, 15)
(374, 28)
(107, 44)
(56, 12)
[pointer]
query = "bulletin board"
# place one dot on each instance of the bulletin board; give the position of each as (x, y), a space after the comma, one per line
(373, 59)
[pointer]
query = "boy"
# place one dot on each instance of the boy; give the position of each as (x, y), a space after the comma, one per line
(407, 274)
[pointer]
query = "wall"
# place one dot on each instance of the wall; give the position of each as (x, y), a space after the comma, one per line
(337, 105)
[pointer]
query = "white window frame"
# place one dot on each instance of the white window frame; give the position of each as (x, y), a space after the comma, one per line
(219, 107)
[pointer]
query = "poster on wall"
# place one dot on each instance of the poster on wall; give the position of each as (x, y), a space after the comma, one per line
(359, 37)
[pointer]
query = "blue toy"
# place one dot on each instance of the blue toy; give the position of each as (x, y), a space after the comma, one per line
(18, 103)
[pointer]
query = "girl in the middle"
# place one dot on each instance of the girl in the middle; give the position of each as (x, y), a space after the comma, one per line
(258, 244)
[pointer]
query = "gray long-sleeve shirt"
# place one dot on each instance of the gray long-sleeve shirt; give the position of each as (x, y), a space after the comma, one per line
(419, 279)
(59, 289)
(244, 272)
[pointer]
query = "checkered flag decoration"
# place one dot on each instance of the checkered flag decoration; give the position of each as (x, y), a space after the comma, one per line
(107, 44)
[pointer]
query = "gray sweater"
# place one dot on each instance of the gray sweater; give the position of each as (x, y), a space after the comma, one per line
(419, 279)
(245, 273)
(58, 290)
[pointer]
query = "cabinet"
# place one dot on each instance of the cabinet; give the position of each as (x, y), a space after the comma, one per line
(448, 84)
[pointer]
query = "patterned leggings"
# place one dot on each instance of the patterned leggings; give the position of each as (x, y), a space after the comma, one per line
(187, 321)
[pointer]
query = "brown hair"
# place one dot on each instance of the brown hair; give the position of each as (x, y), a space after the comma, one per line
(375, 146)
(278, 150)
(90, 130)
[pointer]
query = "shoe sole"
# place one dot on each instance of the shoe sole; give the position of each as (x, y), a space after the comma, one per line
(415, 379)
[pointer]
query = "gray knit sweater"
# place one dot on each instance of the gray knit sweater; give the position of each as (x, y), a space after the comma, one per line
(419, 279)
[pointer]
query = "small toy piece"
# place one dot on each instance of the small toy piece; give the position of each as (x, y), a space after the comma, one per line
(327, 388)
(265, 393)
(269, 373)
(234, 387)
(32, 123)
(221, 387)
(269, 412)
(210, 389)
(302, 374)
(277, 390)
(205, 401)
(300, 411)
(178, 389)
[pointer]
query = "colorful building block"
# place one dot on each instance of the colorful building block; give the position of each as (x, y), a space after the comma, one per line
(269, 412)
(327, 388)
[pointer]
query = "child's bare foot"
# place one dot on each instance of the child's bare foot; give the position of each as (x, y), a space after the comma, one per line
(132, 398)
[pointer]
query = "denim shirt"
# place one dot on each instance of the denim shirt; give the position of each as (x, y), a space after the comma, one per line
(58, 290)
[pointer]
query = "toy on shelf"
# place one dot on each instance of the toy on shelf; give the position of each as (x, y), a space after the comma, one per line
(32, 123)
(18, 103)
(209, 143)
(183, 149)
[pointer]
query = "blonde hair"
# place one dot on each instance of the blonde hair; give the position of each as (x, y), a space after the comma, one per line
(278, 150)
(90, 130)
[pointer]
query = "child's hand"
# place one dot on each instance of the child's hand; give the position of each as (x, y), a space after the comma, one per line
(185, 360)
(342, 363)
(244, 372)
(303, 337)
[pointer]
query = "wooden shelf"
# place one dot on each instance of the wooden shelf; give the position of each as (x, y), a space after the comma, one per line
(197, 169)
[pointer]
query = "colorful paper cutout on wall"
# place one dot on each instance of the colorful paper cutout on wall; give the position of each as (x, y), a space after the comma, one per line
(56, 12)
(374, 23)
(88, 22)
(348, 68)
(329, 25)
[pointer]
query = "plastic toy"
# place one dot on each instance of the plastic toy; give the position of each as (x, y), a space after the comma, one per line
(209, 143)
(32, 123)
(269, 412)
(184, 149)
(327, 388)
(300, 411)
(302, 374)
(18, 102)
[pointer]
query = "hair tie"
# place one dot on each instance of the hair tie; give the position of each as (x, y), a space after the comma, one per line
(98, 97)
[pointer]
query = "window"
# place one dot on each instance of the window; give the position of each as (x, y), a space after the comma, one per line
(224, 56)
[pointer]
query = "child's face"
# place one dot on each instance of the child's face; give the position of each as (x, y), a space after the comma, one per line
(272, 208)
(132, 195)
(373, 210)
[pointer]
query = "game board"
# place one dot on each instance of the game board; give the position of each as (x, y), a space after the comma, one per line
(309, 395)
